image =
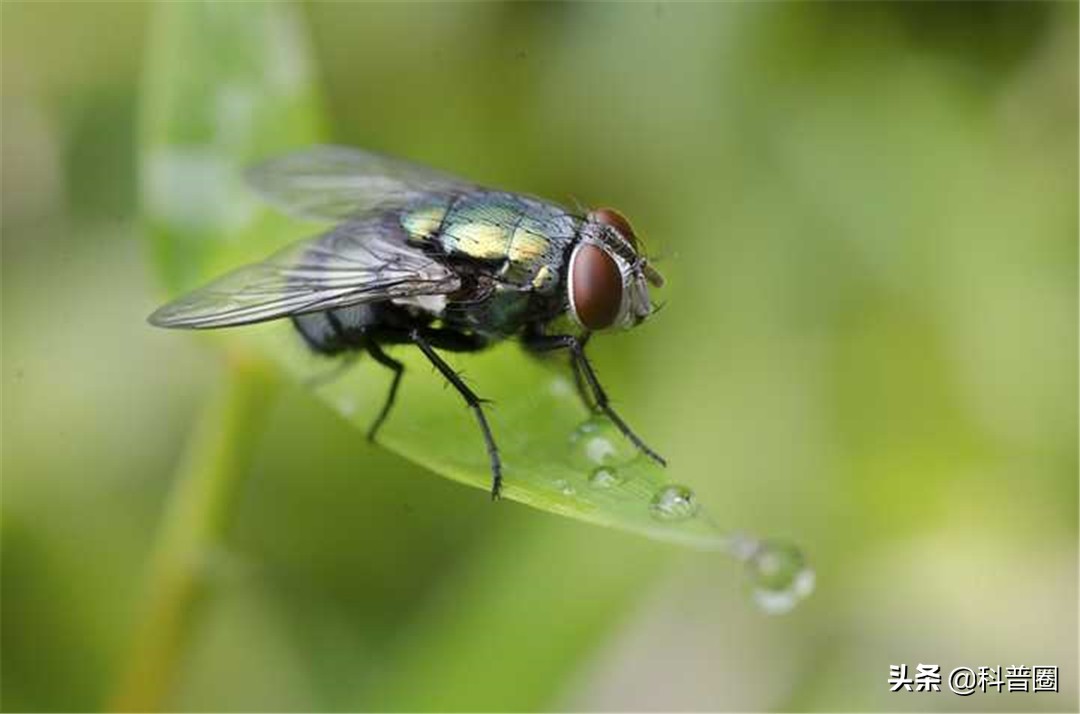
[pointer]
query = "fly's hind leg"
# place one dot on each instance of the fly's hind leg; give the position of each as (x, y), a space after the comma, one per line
(325, 334)
(398, 369)
(419, 338)
(347, 360)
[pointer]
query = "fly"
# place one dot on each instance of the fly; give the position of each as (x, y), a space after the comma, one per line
(423, 258)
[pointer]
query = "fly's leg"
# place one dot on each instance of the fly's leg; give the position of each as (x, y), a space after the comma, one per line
(474, 402)
(548, 343)
(579, 378)
(331, 338)
(398, 369)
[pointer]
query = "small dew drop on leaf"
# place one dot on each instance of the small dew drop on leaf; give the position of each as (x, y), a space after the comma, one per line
(560, 387)
(346, 405)
(605, 477)
(674, 503)
(564, 487)
(597, 442)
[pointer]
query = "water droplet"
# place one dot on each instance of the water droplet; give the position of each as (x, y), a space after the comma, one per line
(564, 487)
(604, 477)
(780, 575)
(560, 387)
(347, 406)
(597, 442)
(674, 503)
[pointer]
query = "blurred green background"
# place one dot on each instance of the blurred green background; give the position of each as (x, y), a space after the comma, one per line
(869, 218)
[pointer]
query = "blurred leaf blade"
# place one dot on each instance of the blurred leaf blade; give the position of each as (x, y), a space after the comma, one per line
(225, 83)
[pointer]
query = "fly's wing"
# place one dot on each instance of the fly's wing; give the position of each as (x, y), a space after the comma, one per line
(356, 262)
(336, 182)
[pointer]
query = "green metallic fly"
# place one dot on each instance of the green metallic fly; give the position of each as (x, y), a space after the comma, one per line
(423, 258)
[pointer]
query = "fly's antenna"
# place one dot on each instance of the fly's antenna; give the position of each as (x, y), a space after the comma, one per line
(651, 274)
(662, 256)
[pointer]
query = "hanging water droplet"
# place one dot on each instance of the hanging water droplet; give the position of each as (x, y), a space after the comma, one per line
(604, 477)
(780, 576)
(564, 487)
(674, 503)
(597, 442)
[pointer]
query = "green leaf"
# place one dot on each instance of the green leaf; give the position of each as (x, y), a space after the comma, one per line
(549, 461)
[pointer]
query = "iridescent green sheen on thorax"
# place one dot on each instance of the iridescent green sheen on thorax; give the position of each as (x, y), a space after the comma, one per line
(524, 239)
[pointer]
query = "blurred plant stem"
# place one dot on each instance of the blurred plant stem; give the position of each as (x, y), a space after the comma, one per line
(199, 510)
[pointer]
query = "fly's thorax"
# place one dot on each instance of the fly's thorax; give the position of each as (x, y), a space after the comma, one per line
(520, 240)
(423, 220)
(607, 285)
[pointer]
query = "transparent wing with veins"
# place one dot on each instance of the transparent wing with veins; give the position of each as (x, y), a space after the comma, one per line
(360, 261)
(335, 182)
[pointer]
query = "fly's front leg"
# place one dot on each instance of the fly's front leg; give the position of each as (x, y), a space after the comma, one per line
(420, 340)
(579, 378)
(547, 343)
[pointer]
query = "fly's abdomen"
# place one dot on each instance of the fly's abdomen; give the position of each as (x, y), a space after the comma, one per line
(330, 332)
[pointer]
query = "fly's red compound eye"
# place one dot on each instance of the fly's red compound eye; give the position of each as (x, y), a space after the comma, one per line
(611, 217)
(596, 287)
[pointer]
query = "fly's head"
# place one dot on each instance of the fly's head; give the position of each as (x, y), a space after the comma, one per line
(608, 280)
